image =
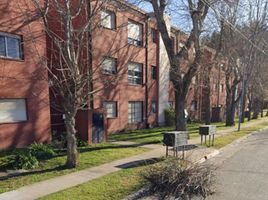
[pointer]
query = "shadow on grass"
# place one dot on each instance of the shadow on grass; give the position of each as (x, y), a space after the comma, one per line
(33, 172)
(89, 149)
(139, 163)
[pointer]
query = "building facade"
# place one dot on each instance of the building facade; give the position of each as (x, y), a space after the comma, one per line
(131, 65)
(24, 97)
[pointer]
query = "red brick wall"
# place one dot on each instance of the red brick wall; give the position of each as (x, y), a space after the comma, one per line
(114, 43)
(22, 79)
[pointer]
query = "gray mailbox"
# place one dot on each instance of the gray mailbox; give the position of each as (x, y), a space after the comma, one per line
(175, 139)
(207, 130)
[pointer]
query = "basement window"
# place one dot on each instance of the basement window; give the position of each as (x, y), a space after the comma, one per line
(13, 110)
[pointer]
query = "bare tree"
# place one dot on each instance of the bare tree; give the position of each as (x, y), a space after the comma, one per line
(226, 41)
(69, 26)
(198, 12)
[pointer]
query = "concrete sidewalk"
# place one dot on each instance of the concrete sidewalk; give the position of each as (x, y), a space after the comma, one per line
(56, 184)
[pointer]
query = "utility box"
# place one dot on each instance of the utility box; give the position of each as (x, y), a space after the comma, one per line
(175, 138)
(207, 130)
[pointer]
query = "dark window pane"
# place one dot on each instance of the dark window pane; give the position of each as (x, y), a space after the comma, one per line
(2, 46)
(13, 47)
(154, 72)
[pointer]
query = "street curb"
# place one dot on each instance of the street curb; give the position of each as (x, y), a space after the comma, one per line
(239, 140)
(207, 157)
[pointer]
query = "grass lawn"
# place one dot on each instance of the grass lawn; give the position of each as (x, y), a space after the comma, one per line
(229, 138)
(114, 186)
(89, 156)
(154, 135)
(151, 136)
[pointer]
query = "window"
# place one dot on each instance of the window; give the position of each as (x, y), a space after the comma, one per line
(194, 80)
(12, 110)
(194, 106)
(135, 33)
(222, 88)
(108, 19)
(215, 87)
(111, 109)
(154, 72)
(135, 112)
(153, 107)
(109, 65)
(10, 46)
(154, 35)
(135, 73)
(170, 103)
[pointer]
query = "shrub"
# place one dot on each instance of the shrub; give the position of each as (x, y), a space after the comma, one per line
(81, 143)
(179, 179)
(59, 140)
(170, 117)
(24, 160)
(42, 151)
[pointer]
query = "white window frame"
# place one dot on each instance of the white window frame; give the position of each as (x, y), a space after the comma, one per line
(13, 110)
(108, 19)
(109, 69)
(12, 36)
(111, 108)
(135, 73)
(135, 112)
(135, 33)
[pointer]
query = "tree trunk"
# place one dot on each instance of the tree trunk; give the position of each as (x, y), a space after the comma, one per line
(208, 110)
(72, 154)
(256, 108)
(267, 113)
(180, 115)
(249, 111)
(243, 107)
(230, 108)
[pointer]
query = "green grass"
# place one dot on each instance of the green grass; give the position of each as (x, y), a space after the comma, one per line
(114, 186)
(155, 135)
(151, 136)
(89, 156)
(229, 138)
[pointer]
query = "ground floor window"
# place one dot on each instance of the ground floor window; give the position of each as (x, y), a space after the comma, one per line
(194, 106)
(154, 107)
(135, 112)
(13, 110)
(111, 109)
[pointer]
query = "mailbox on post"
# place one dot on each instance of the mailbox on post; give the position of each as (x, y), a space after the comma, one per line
(175, 139)
(207, 130)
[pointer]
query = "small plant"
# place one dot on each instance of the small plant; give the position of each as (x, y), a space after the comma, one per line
(179, 179)
(24, 160)
(59, 140)
(170, 117)
(42, 151)
(81, 143)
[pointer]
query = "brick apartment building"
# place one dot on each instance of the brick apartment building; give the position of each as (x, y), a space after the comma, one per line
(24, 102)
(127, 46)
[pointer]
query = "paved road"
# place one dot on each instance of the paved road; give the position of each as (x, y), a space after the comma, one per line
(243, 175)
